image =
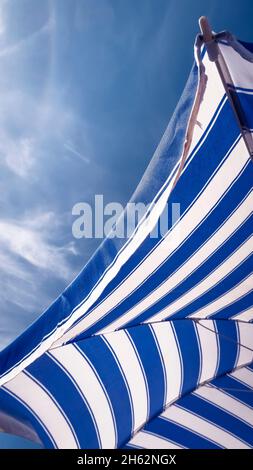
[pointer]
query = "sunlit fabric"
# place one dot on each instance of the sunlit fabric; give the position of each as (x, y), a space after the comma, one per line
(152, 345)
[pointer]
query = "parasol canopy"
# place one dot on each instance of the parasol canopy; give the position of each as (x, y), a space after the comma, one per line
(151, 346)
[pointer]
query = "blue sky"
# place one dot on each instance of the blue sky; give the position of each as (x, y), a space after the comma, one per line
(86, 90)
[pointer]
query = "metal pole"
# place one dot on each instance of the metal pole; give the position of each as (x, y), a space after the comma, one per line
(215, 56)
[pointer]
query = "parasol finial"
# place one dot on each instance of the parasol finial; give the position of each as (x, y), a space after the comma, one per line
(205, 28)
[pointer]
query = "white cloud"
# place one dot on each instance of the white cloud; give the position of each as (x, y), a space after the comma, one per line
(29, 263)
(26, 241)
(2, 16)
(36, 120)
(69, 146)
(18, 154)
(21, 297)
(16, 283)
(28, 40)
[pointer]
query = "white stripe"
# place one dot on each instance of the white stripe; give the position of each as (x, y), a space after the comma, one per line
(203, 427)
(143, 232)
(241, 70)
(245, 355)
(189, 266)
(209, 100)
(214, 92)
(171, 359)
(84, 376)
(246, 315)
(225, 300)
(209, 350)
(45, 408)
(226, 402)
(146, 225)
(244, 375)
(216, 276)
(125, 353)
(206, 201)
(147, 440)
(245, 92)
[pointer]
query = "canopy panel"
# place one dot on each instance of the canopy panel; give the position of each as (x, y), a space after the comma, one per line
(215, 416)
(140, 348)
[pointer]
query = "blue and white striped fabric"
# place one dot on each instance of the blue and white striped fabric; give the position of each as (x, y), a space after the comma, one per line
(216, 415)
(152, 344)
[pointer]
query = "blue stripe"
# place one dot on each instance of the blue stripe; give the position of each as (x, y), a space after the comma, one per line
(220, 289)
(167, 156)
(206, 410)
(217, 416)
(228, 343)
(239, 88)
(203, 271)
(235, 389)
(246, 106)
(236, 307)
(148, 352)
(48, 373)
(13, 406)
(190, 354)
(216, 218)
(178, 434)
(148, 244)
(197, 276)
(102, 359)
(247, 45)
(198, 172)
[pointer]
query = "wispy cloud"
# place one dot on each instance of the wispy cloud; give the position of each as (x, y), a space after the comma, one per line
(17, 284)
(18, 155)
(21, 296)
(28, 132)
(25, 240)
(69, 146)
(28, 40)
(2, 16)
(30, 262)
